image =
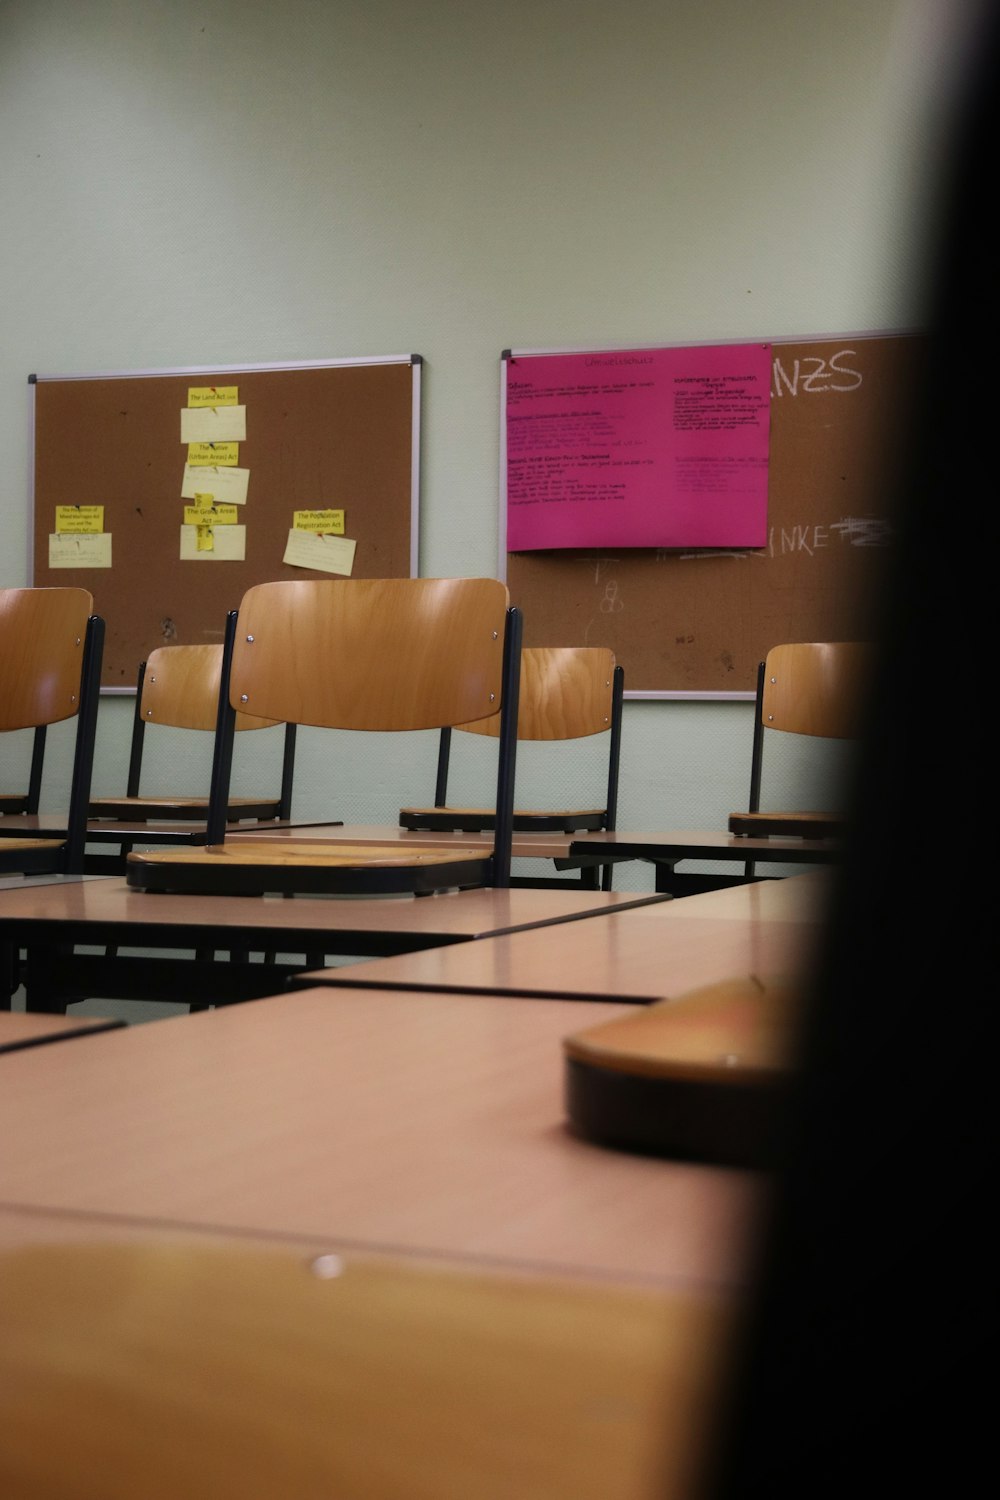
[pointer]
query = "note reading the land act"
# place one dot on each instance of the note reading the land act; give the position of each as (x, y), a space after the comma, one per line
(638, 448)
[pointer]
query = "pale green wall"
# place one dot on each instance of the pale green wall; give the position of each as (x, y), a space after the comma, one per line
(226, 181)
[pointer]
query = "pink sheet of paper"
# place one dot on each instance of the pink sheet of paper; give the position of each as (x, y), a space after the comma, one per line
(638, 448)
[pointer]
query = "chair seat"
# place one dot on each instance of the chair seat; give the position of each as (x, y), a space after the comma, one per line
(796, 825)
(18, 846)
(476, 819)
(703, 1076)
(250, 867)
(178, 809)
(31, 856)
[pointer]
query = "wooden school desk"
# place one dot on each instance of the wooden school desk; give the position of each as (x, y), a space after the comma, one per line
(666, 850)
(387, 1122)
(50, 922)
(557, 1388)
(638, 955)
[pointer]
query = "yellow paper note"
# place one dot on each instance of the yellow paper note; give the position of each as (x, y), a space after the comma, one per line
(213, 395)
(204, 539)
(213, 455)
(69, 551)
(229, 544)
(228, 486)
(85, 520)
(211, 515)
(327, 554)
(329, 521)
(213, 424)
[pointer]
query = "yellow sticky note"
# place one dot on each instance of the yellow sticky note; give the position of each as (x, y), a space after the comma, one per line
(227, 485)
(210, 515)
(213, 424)
(327, 554)
(73, 551)
(213, 395)
(215, 455)
(229, 544)
(205, 539)
(80, 519)
(329, 521)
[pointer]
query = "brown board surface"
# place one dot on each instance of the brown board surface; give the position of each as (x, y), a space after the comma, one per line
(698, 623)
(338, 436)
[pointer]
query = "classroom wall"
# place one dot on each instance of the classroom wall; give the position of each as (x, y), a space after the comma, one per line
(216, 182)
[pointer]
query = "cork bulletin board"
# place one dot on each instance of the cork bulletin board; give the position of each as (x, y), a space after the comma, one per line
(694, 624)
(341, 435)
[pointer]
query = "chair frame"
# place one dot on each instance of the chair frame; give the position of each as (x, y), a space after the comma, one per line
(340, 872)
(14, 803)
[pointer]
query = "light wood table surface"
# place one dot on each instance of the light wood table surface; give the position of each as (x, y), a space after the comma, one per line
(50, 921)
(381, 1122)
(641, 955)
(368, 1378)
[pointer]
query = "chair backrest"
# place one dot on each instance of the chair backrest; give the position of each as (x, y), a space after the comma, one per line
(373, 654)
(51, 647)
(809, 687)
(182, 687)
(179, 687)
(567, 693)
(42, 635)
(381, 654)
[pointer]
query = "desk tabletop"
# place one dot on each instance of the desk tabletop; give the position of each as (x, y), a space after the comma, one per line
(638, 955)
(447, 917)
(444, 1384)
(383, 1121)
(711, 844)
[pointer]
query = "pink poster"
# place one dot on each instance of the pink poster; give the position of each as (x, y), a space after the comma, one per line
(638, 448)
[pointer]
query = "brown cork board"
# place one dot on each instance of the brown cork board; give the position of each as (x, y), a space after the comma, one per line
(339, 436)
(697, 624)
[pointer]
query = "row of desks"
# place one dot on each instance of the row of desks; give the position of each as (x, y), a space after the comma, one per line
(582, 853)
(412, 1102)
(407, 1113)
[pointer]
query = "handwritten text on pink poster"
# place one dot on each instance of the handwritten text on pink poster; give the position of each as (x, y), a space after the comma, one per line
(638, 448)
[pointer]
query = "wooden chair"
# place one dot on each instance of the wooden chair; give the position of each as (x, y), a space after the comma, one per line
(703, 1076)
(809, 688)
(381, 655)
(567, 693)
(50, 666)
(180, 687)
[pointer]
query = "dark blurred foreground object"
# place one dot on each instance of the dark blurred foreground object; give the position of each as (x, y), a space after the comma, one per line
(864, 1358)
